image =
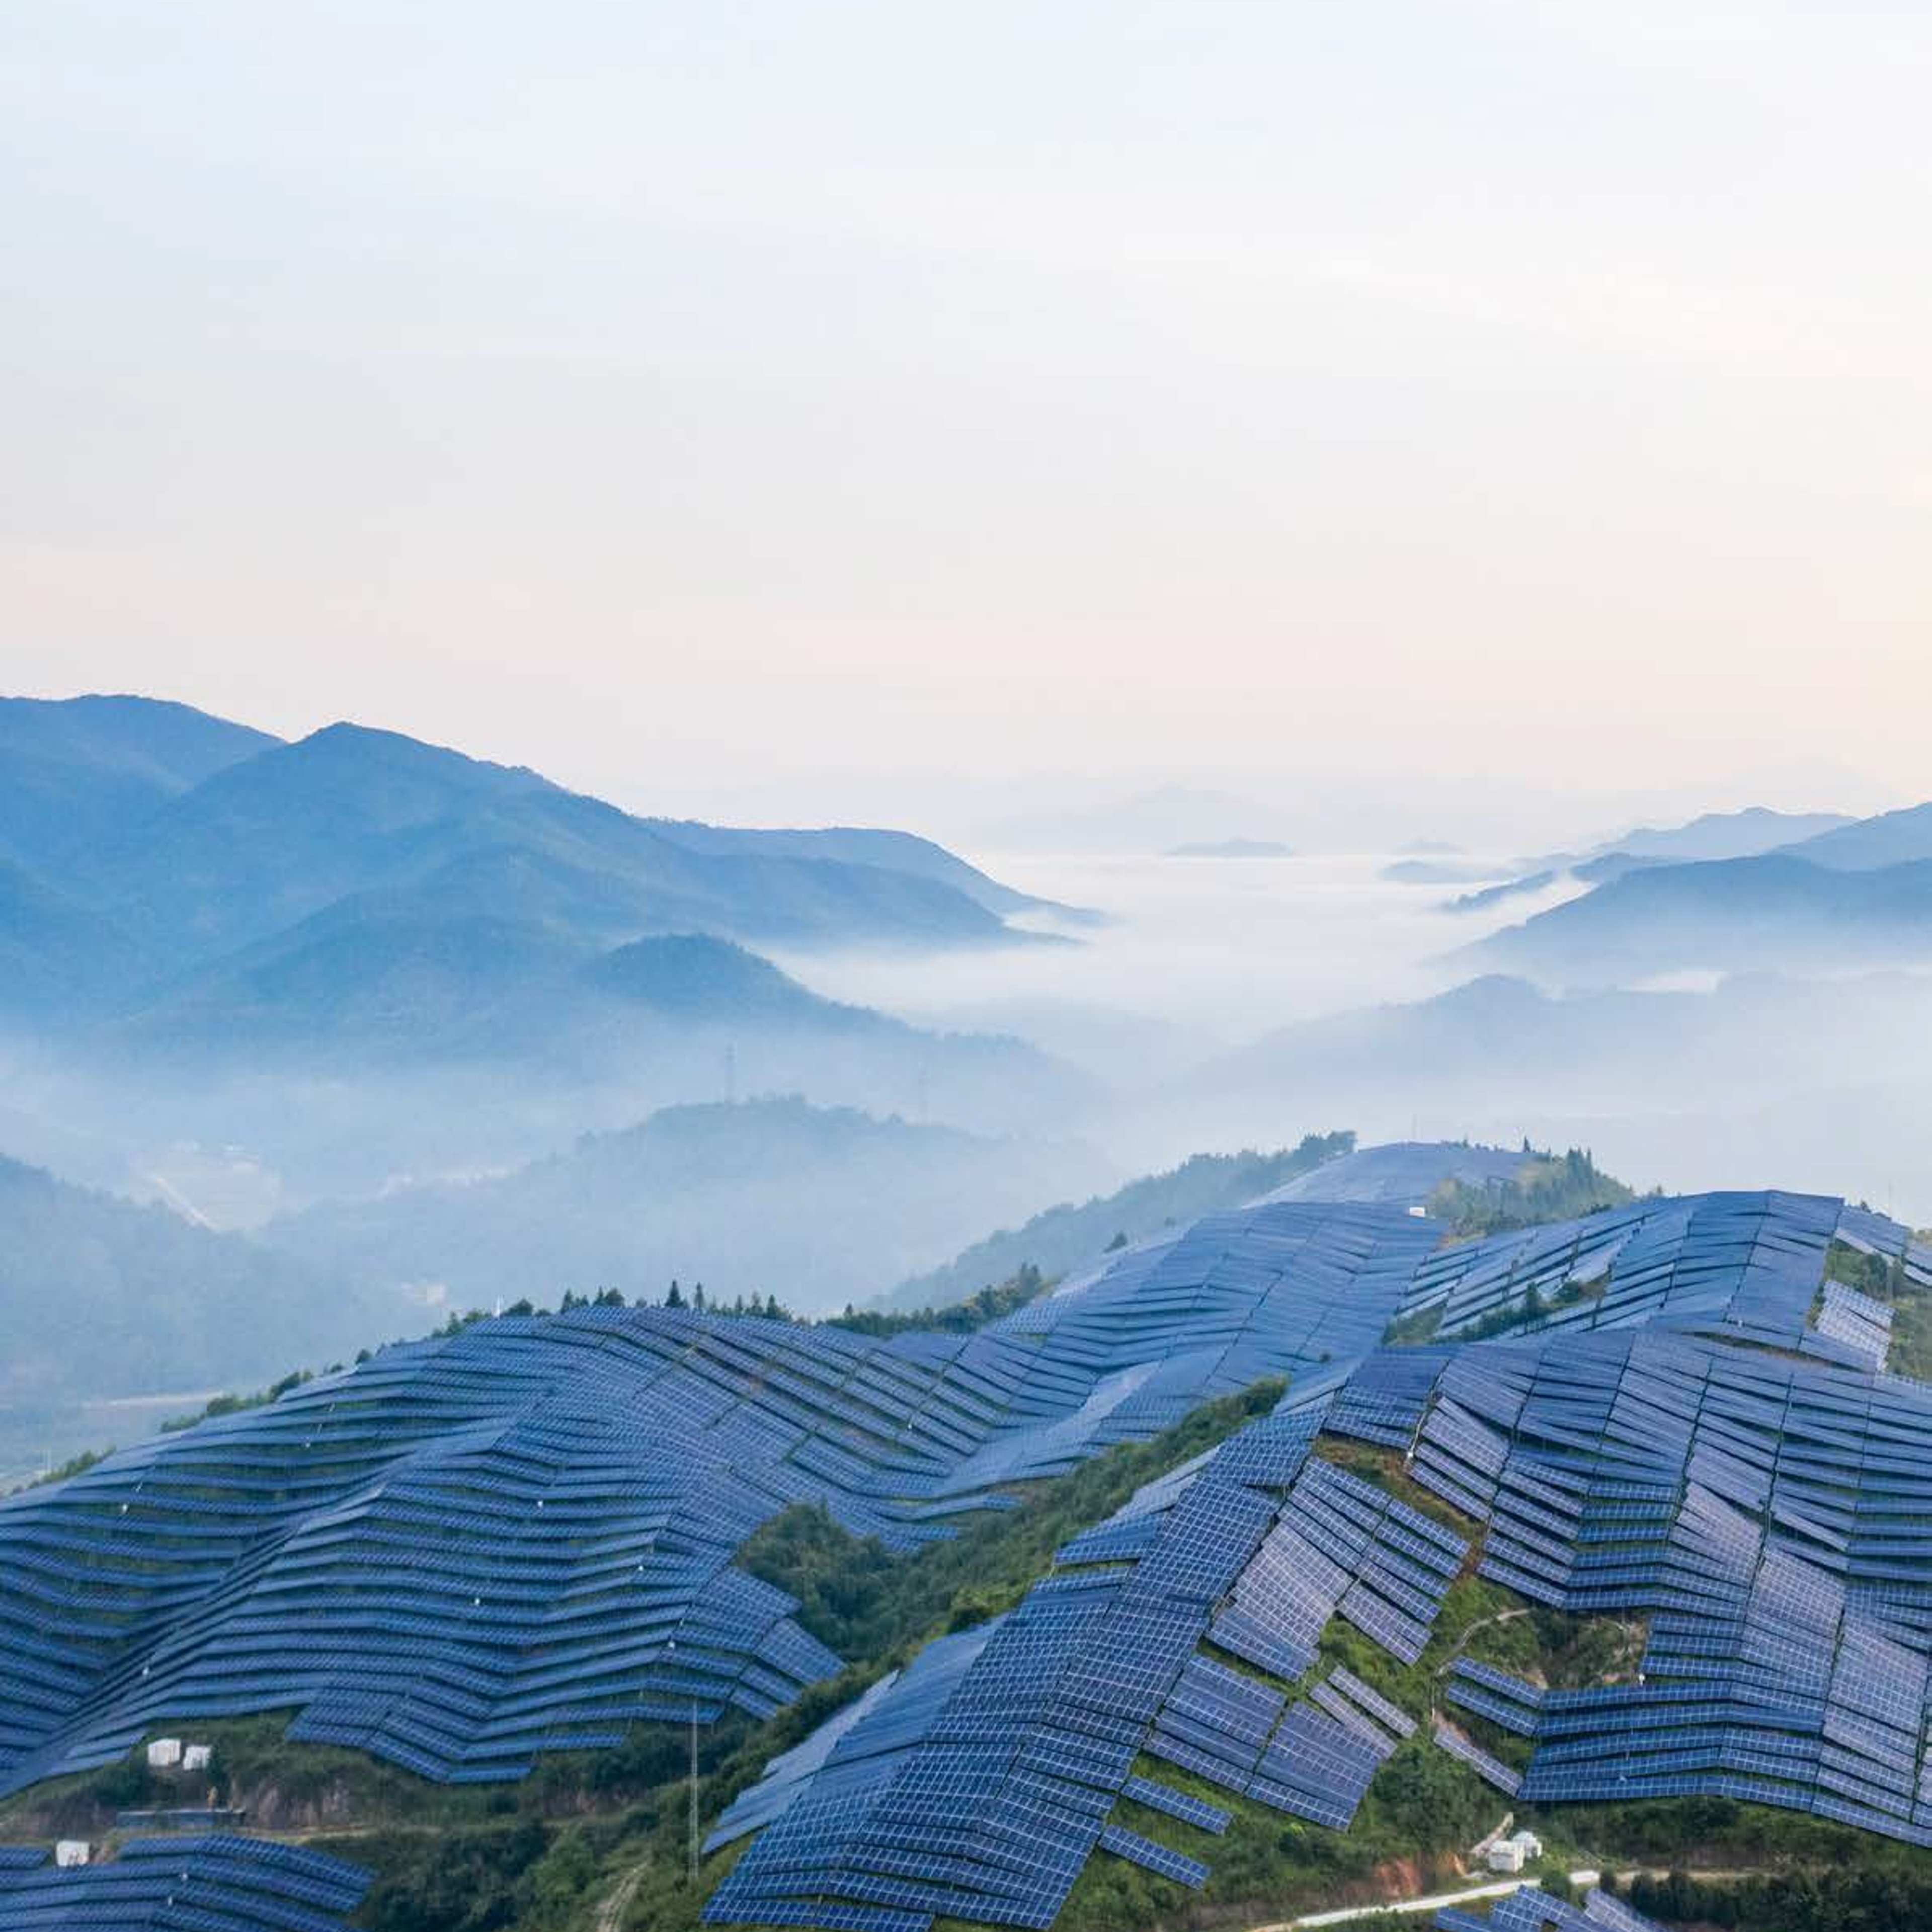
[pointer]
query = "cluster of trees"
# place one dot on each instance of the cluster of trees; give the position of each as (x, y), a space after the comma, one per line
(958, 1317)
(1069, 1236)
(770, 1308)
(1832, 1898)
(1547, 1187)
(991, 1302)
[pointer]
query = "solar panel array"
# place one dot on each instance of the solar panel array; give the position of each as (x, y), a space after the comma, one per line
(985, 1801)
(1566, 1450)
(471, 1549)
(521, 1537)
(1342, 1544)
(1530, 1910)
(1744, 1267)
(1764, 1516)
(220, 1883)
(1402, 1174)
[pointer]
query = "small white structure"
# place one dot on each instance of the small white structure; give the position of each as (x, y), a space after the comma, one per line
(71, 1852)
(196, 1757)
(164, 1753)
(1511, 1854)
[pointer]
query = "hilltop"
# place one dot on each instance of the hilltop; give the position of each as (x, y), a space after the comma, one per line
(1070, 1236)
(193, 841)
(364, 959)
(1774, 912)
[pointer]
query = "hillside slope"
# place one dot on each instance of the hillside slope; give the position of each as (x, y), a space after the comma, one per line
(1768, 913)
(73, 771)
(1069, 1236)
(1306, 1662)
(820, 1206)
(100, 1298)
(1891, 838)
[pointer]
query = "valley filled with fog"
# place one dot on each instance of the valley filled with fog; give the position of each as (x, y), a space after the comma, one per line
(310, 1045)
(1232, 1002)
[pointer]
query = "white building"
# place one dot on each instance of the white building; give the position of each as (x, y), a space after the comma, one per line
(71, 1852)
(1511, 1854)
(196, 1757)
(164, 1753)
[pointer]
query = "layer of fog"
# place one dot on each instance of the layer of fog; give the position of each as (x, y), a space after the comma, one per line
(1226, 1003)
(1211, 950)
(1243, 1002)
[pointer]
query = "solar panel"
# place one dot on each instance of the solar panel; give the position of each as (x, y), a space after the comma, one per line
(468, 1551)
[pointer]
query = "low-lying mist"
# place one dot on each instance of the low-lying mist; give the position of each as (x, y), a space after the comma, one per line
(1240, 1002)
(1212, 950)
(1223, 1003)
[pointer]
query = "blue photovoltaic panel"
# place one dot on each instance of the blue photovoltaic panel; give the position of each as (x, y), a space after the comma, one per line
(1176, 1804)
(223, 1881)
(1528, 1910)
(1126, 1844)
(522, 1538)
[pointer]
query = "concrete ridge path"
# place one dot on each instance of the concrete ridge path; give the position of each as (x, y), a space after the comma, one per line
(1347, 1915)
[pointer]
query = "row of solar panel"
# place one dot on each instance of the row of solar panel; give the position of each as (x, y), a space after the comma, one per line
(218, 1882)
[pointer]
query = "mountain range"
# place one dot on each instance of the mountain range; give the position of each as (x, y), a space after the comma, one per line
(1841, 895)
(1722, 835)
(367, 957)
(1780, 911)
(157, 847)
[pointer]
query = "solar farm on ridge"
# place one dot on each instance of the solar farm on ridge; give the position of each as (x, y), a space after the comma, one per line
(520, 1538)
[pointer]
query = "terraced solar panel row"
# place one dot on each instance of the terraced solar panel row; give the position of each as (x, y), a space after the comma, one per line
(222, 1882)
(1738, 1266)
(1532, 1910)
(469, 1551)
(1098, 1666)
(1489, 1768)
(1762, 1516)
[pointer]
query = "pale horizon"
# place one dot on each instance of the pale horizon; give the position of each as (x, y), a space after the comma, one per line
(703, 411)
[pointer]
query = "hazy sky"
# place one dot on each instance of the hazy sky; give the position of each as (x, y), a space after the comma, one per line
(678, 396)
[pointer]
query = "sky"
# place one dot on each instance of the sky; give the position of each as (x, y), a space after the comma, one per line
(704, 401)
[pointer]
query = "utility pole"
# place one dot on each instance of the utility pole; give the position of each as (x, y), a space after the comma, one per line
(693, 1788)
(670, 1656)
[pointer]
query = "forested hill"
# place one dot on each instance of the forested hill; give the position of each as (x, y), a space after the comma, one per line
(191, 842)
(101, 1296)
(1073, 1235)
